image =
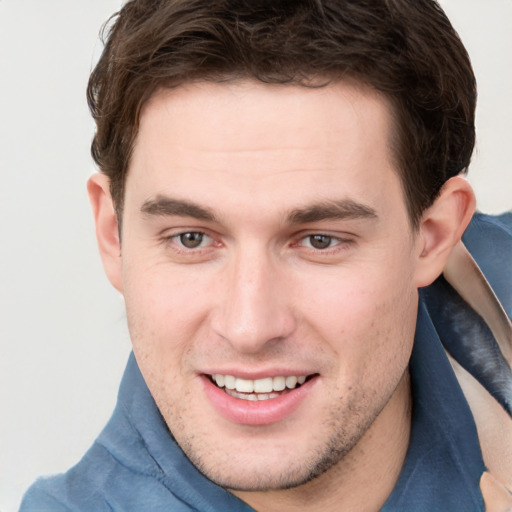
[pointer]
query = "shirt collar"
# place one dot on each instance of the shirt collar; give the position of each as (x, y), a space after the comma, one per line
(444, 463)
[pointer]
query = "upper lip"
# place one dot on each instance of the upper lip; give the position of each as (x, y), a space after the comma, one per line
(262, 374)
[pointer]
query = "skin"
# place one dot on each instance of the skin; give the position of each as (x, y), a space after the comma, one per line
(261, 165)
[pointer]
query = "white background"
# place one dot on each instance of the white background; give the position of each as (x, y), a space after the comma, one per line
(63, 340)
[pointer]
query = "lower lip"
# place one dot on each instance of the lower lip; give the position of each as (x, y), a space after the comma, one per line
(261, 412)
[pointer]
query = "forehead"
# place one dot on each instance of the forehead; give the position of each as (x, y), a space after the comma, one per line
(223, 108)
(253, 138)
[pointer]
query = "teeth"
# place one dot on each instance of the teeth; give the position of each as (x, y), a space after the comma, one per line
(279, 383)
(263, 385)
(262, 388)
(229, 381)
(251, 396)
(244, 386)
(291, 381)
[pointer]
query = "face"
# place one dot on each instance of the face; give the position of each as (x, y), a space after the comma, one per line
(268, 269)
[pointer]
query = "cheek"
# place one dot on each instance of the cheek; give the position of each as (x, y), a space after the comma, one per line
(165, 311)
(368, 318)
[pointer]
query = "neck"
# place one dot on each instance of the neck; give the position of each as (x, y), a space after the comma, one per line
(363, 479)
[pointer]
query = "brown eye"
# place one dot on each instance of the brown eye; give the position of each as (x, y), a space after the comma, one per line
(191, 240)
(320, 241)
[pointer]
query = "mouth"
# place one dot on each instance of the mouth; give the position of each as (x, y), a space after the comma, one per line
(258, 402)
(259, 389)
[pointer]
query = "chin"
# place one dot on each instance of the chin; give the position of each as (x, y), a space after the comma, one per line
(263, 479)
(276, 468)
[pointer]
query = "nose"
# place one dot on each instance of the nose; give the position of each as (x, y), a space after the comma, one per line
(253, 310)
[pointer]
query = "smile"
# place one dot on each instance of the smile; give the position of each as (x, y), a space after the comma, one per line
(260, 401)
(259, 389)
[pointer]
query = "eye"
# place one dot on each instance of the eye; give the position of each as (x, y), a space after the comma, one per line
(319, 241)
(192, 239)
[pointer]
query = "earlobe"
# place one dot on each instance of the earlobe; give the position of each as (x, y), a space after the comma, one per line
(441, 227)
(107, 233)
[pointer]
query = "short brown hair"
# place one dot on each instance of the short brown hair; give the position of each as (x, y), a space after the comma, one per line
(406, 49)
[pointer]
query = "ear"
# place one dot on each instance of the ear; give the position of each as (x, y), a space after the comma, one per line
(107, 229)
(441, 227)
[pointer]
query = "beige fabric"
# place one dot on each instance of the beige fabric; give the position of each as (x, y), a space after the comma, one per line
(463, 273)
(493, 424)
(496, 497)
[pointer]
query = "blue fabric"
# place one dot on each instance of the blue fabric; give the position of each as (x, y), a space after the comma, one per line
(444, 464)
(463, 332)
(489, 239)
(135, 464)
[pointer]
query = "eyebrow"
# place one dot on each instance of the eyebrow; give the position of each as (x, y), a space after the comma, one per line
(166, 206)
(345, 209)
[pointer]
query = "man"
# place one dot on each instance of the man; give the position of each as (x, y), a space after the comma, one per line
(278, 180)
